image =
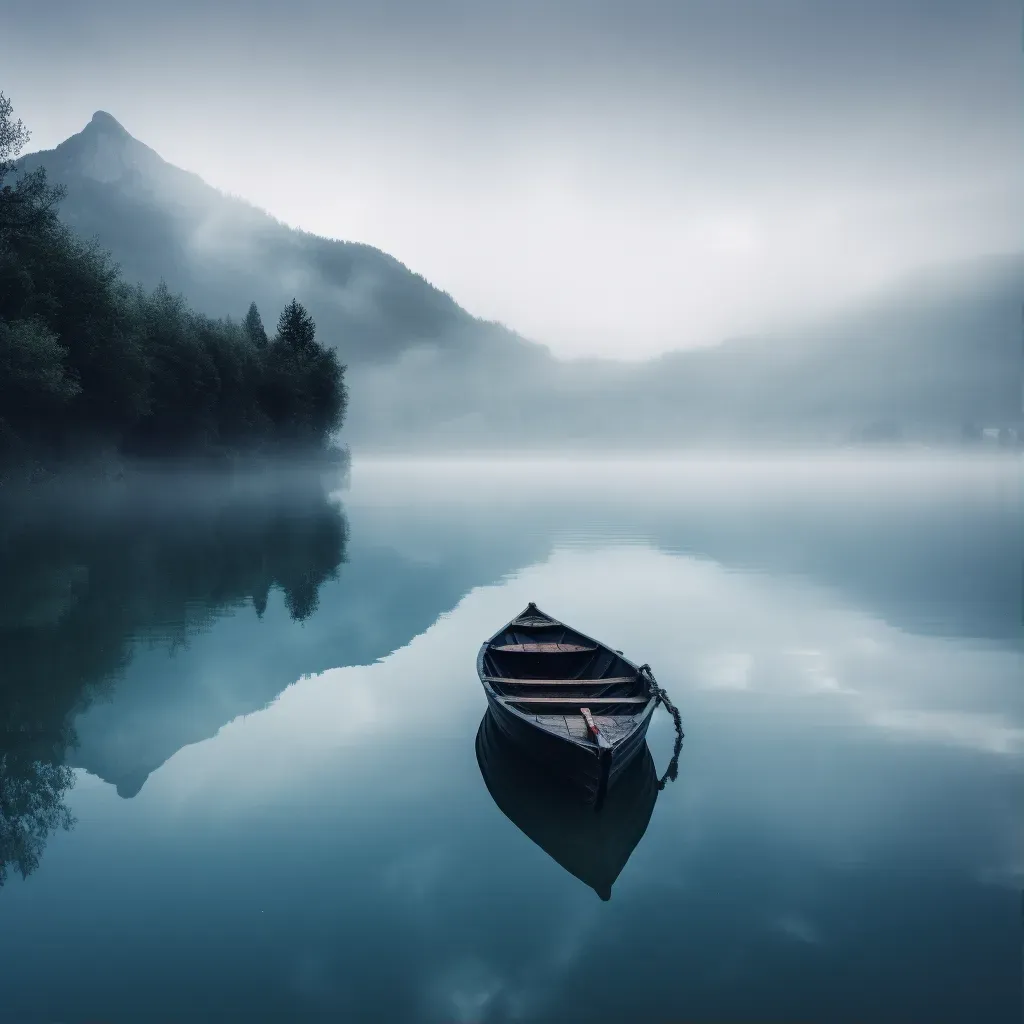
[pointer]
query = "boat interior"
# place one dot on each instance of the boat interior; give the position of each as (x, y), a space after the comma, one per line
(553, 674)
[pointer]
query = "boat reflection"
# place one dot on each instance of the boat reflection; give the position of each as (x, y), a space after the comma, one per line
(592, 845)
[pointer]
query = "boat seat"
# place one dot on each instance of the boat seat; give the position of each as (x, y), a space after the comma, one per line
(517, 681)
(580, 701)
(542, 648)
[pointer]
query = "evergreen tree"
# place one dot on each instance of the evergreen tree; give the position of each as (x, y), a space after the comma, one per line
(254, 328)
(296, 328)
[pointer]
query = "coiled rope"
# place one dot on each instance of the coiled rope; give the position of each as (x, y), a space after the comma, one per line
(662, 697)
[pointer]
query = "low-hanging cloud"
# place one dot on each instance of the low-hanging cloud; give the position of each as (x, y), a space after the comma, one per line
(605, 177)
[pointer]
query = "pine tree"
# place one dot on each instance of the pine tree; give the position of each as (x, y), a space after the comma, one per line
(253, 326)
(296, 328)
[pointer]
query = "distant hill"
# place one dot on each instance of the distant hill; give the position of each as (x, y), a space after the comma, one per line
(933, 358)
(928, 356)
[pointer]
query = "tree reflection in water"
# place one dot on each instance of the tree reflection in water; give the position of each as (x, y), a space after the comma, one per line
(80, 584)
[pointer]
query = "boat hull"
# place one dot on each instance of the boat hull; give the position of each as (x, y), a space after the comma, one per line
(593, 845)
(568, 701)
(592, 772)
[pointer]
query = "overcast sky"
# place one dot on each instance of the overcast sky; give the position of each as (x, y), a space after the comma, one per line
(614, 178)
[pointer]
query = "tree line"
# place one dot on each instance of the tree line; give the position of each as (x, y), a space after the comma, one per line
(89, 362)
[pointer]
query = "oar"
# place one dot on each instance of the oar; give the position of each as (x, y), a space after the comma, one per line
(602, 740)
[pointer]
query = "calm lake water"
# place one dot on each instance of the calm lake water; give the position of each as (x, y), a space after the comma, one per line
(262, 716)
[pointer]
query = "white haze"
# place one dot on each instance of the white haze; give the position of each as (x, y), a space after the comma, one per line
(606, 184)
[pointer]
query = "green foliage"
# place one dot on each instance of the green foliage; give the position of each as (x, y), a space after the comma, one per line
(31, 807)
(14, 135)
(253, 326)
(33, 373)
(295, 328)
(305, 393)
(88, 362)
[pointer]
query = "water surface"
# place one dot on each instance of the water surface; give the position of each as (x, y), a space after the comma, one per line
(262, 715)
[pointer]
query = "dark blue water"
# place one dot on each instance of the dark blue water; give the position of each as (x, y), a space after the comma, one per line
(261, 715)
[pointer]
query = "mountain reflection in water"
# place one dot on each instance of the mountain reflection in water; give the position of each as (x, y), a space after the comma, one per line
(86, 589)
(592, 845)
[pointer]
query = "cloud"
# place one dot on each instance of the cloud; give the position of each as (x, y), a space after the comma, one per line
(726, 671)
(989, 733)
(605, 177)
(467, 992)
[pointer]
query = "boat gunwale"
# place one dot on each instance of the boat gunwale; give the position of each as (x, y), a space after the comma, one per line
(531, 720)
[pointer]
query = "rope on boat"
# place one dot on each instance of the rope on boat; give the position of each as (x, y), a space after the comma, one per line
(662, 697)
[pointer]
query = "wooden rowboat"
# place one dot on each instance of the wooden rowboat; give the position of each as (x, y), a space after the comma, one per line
(566, 699)
(592, 845)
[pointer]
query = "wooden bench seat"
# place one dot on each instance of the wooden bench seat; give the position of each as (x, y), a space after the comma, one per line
(515, 681)
(578, 701)
(542, 648)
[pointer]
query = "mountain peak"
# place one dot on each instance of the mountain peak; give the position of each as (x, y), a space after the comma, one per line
(105, 151)
(108, 123)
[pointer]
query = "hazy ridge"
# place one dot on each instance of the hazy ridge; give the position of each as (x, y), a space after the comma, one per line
(931, 359)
